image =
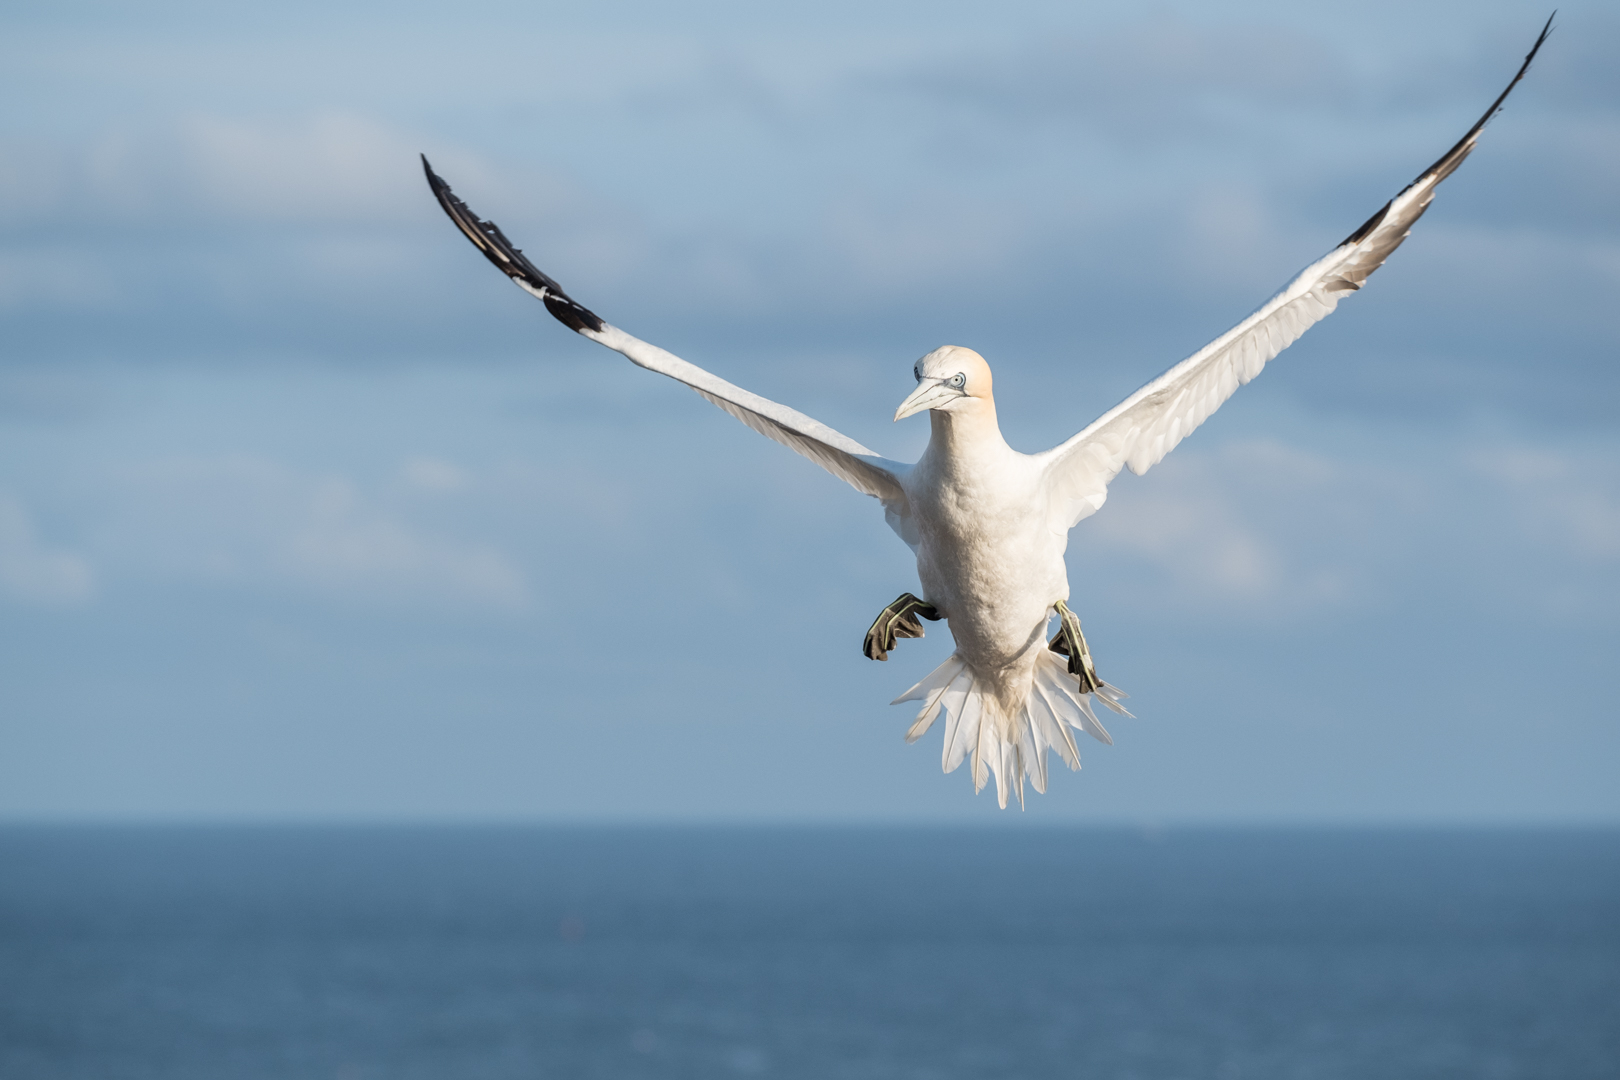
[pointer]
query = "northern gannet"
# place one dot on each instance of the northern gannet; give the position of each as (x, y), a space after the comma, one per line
(988, 524)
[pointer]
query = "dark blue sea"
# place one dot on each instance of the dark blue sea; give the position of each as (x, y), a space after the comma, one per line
(221, 953)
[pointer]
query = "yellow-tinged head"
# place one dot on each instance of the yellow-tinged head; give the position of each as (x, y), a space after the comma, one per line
(947, 378)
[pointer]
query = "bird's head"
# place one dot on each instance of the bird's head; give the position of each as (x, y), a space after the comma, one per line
(948, 378)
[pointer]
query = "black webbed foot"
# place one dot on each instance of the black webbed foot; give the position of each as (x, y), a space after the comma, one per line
(898, 620)
(1070, 642)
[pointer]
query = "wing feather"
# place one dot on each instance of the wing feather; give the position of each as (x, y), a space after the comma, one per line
(840, 455)
(1139, 431)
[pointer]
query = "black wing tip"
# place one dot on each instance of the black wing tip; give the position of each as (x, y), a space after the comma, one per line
(571, 314)
(1453, 157)
(453, 206)
(1545, 30)
(510, 260)
(1541, 39)
(435, 181)
(1367, 226)
(1524, 68)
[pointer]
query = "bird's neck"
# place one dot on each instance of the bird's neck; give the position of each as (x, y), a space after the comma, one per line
(966, 432)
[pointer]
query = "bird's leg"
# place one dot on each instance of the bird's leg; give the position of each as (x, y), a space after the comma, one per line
(898, 620)
(1070, 642)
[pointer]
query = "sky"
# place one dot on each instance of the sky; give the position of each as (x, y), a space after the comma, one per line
(307, 514)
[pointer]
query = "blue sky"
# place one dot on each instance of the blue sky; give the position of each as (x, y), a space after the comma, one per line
(306, 513)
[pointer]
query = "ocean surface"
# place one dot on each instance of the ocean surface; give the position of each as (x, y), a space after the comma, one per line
(357, 953)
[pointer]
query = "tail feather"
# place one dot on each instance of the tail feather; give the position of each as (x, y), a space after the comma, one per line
(985, 746)
(931, 691)
(1072, 705)
(953, 701)
(1057, 732)
(1111, 697)
(937, 679)
(1092, 722)
(937, 701)
(1032, 752)
(998, 758)
(1013, 747)
(955, 704)
(962, 733)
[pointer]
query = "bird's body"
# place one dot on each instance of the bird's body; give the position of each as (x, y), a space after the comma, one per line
(991, 565)
(987, 563)
(985, 558)
(988, 524)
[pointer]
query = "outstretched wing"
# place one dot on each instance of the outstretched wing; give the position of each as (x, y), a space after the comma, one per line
(837, 453)
(1142, 429)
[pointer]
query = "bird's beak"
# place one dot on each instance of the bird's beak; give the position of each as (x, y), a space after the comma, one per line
(931, 394)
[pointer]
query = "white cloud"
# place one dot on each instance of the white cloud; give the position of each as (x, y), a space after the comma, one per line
(245, 520)
(1558, 499)
(32, 572)
(928, 241)
(329, 168)
(291, 226)
(431, 474)
(326, 165)
(1257, 527)
(335, 167)
(1143, 81)
(1265, 530)
(342, 542)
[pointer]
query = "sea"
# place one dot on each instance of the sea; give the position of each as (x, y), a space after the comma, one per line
(466, 953)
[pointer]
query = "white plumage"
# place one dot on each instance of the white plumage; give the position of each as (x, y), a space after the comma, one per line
(988, 524)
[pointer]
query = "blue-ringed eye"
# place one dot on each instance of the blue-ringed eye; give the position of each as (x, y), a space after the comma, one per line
(957, 381)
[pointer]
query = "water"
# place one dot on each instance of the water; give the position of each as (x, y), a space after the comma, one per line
(210, 954)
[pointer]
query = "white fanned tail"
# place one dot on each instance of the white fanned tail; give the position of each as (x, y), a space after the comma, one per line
(1009, 747)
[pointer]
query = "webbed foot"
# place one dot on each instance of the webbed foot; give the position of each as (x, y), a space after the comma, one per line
(898, 620)
(1070, 642)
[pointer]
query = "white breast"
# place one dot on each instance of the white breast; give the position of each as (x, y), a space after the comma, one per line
(986, 559)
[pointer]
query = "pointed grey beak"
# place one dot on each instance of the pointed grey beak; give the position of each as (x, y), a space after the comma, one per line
(931, 394)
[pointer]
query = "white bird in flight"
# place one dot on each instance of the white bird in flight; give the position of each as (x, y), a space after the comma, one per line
(988, 524)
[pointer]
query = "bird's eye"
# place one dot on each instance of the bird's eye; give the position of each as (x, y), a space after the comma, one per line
(917, 371)
(957, 381)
